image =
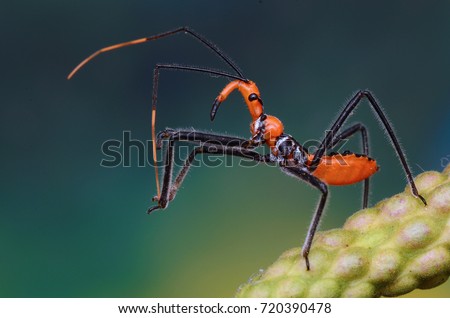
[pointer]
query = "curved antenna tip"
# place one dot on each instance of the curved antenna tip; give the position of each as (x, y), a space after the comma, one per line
(214, 109)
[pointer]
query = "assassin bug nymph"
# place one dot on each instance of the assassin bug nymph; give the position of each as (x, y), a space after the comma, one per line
(319, 169)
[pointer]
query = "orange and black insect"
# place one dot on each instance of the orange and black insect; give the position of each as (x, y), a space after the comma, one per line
(319, 169)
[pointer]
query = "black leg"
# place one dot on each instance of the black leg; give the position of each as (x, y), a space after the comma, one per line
(210, 144)
(163, 199)
(239, 152)
(315, 182)
(349, 108)
(184, 171)
(198, 137)
(365, 147)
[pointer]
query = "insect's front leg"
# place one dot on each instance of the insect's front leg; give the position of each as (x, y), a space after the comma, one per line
(256, 141)
(207, 144)
(164, 135)
(164, 198)
(167, 179)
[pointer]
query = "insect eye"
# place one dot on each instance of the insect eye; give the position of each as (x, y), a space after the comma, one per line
(252, 97)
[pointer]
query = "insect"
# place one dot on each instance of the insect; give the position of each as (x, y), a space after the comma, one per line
(320, 169)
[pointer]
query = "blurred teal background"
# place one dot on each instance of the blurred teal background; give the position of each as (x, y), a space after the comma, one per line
(70, 228)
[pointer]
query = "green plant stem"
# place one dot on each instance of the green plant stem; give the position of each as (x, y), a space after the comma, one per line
(386, 250)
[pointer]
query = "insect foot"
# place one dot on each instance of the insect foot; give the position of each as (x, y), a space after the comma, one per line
(387, 250)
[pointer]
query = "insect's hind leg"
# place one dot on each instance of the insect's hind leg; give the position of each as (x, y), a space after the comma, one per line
(346, 112)
(365, 149)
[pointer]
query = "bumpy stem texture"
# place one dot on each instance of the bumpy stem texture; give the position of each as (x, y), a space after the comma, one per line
(387, 250)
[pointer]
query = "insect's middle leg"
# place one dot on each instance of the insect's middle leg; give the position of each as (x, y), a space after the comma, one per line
(318, 184)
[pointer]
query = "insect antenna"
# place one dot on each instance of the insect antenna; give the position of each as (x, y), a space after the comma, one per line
(186, 30)
(177, 67)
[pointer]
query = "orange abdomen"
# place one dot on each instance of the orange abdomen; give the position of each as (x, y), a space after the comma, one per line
(343, 169)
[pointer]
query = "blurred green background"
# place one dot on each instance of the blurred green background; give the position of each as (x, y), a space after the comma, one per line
(70, 228)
